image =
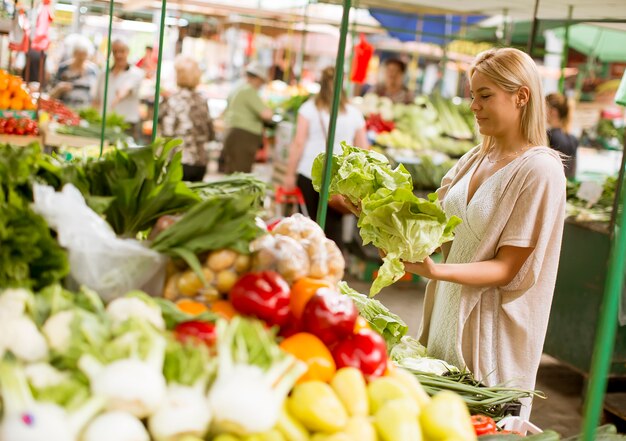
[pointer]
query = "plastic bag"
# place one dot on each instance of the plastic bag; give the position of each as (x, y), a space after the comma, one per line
(282, 254)
(98, 258)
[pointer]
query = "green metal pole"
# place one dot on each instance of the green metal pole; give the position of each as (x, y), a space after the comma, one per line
(352, 39)
(607, 328)
(533, 30)
(334, 111)
(303, 43)
(106, 78)
(157, 87)
(565, 50)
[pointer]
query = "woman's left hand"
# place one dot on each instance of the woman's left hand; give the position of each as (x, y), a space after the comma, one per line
(427, 268)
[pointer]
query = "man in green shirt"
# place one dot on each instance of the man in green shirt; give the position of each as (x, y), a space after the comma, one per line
(244, 118)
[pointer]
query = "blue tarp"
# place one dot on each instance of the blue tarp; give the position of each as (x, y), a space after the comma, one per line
(433, 29)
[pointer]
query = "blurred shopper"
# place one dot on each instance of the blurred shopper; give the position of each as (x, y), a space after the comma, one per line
(148, 62)
(393, 84)
(244, 118)
(559, 117)
(185, 114)
(123, 94)
(310, 141)
(76, 79)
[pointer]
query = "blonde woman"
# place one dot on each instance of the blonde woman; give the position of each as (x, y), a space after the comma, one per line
(310, 140)
(487, 306)
(185, 114)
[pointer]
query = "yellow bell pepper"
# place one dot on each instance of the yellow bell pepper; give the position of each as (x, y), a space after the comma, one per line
(317, 407)
(412, 386)
(384, 389)
(271, 435)
(339, 436)
(360, 429)
(226, 437)
(291, 428)
(446, 418)
(349, 385)
(397, 421)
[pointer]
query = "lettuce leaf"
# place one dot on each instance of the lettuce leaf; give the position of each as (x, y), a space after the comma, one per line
(406, 227)
(357, 173)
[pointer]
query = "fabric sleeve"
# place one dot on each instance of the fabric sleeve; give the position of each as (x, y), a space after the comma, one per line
(307, 110)
(254, 101)
(538, 204)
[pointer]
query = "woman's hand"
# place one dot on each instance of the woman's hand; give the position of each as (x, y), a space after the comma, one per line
(354, 209)
(427, 268)
(289, 181)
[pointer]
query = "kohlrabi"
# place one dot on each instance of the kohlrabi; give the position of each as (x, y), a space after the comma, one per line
(247, 397)
(135, 383)
(115, 426)
(26, 419)
(138, 305)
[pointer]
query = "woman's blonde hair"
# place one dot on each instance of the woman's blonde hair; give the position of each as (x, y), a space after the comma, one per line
(563, 107)
(188, 72)
(324, 98)
(510, 69)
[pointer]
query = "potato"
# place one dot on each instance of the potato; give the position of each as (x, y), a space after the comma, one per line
(170, 292)
(189, 283)
(208, 275)
(209, 294)
(221, 259)
(225, 280)
(242, 263)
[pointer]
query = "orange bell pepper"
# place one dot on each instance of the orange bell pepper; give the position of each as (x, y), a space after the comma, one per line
(191, 307)
(302, 291)
(223, 308)
(314, 353)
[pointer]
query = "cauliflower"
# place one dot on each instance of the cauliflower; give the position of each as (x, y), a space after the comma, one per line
(125, 308)
(20, 336)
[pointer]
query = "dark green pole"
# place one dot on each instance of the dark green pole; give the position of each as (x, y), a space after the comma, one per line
(353, 39)
(157, 87)
(107, 73)
(303, 42)
(565, 50)
(334, 111)
(533, 30)
(607, 322)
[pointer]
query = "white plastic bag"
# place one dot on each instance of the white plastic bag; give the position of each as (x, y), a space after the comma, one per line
(98, 258)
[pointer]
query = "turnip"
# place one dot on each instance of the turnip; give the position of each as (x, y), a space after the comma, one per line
(115, 426)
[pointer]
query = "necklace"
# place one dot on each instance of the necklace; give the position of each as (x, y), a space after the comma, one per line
(505, 157)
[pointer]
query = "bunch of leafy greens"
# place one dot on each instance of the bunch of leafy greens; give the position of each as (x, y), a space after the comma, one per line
(380, 319)
(392, 218)
(134, 187)
(406, 227)
(234, 184)
(29, 255)
(222, 221)
(94, 118)
(357, 173)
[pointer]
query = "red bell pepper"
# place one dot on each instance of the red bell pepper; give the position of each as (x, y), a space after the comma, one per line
(330, 316)
(365, 350)
(264, 295)
(483, 425)
(195, 331)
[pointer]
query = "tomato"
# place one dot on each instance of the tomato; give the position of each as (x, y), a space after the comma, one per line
(484, 425)
(196, 331)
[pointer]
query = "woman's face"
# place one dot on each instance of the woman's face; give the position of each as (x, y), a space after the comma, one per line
(496, 110)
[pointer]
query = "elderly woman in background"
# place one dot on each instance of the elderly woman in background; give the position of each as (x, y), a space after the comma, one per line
(185, 114)
(76, 78)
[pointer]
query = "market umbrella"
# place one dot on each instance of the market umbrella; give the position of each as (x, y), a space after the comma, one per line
(605, 43)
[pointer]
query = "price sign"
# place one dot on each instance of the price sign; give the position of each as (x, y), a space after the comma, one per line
(589, 191)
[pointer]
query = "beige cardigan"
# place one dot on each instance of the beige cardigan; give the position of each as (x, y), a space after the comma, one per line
(502, 329)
